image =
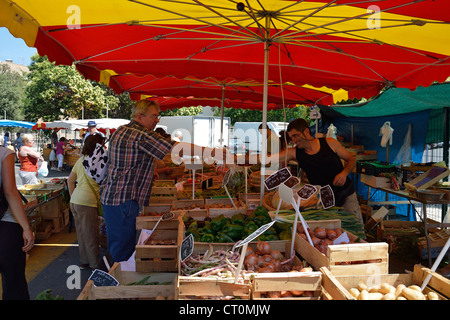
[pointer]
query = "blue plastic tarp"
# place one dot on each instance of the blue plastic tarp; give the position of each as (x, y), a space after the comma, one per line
(14, 123)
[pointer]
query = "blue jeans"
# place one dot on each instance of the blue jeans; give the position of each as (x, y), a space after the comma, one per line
(121, 232)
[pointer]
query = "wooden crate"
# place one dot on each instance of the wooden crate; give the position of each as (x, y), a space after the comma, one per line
(188, 204)
(309, 282)
(132, 292)
(51, 209)
(44, 230)
(253, 200)
(160, 254)
(192, 288)
(163, 191)
(438, 239)
(194, 208)
(354, 258)
(156, 209)
(214, 211)
(209, 288)
(337, 286)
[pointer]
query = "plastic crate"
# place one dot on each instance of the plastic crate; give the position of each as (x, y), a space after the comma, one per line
(375, 168)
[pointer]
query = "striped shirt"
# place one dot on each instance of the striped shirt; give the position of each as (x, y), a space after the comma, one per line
(131, 161)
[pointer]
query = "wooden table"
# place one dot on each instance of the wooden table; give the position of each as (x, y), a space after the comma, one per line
(411, 199)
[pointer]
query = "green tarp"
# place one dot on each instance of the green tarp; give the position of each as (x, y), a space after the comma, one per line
(397, 101)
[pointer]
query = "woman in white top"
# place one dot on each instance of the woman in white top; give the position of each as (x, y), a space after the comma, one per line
(16, 236)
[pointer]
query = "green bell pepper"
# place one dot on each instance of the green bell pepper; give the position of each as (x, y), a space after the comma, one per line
(285, 235)
(234, 231)
(207, 237)
(238, 219)
(195, 233)
(222, 237)
(218, 222)
(207, 228)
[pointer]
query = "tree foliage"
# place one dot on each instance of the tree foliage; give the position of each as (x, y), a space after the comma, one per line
(185, 111)
(11, 93)
(61, 91)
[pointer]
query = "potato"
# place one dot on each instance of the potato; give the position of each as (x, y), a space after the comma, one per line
(363, 295)
(414, 287)
(412, 294)
(374, 289)
(354, 292)
(399, 289)
(375, 296)
(362, 286)
(386, 288)
(432, 296)
(388, 296)
(401, 298)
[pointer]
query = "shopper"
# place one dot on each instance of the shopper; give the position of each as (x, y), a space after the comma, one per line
(6, 139)
(133, 149)
(17, 145)
(52, 157)
(28, 161)
(16, 237)
(92, 129)
(84, 192)
(60, 150)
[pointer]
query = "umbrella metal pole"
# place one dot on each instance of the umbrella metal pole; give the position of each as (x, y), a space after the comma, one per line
(264, 119)
(221, 116)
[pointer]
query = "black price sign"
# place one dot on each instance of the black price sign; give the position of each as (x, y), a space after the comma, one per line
(187, 247)
(327, 197)
(277, 178)
(307, 191)
(292, 181)
(103, 279)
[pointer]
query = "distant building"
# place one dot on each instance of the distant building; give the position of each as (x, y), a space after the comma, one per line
(15, 67)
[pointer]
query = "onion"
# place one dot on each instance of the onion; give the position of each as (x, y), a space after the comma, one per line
(315, 240)
(320, 233)
(265, 270)
(263, 247)
(286, 294)
(276, 264)
(302, 235)
(322, 248)
(331, 234)
(338, 231)
(273, 294)
(249, 251)
(297, 292)
(267, 257)
(276, 255)
(250, 261)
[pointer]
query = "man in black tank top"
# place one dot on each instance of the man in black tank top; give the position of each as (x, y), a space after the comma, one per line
(321, 159)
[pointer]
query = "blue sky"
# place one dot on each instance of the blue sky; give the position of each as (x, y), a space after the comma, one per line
(14, 48)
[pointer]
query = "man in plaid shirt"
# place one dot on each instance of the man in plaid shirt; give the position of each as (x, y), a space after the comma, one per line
(132, 151)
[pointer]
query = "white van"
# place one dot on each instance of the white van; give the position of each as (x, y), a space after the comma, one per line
(245, 136)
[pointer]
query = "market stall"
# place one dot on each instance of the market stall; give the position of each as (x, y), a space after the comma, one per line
(47, 207)
(212, 248)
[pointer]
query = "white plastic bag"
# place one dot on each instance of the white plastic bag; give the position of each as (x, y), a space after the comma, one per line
(42, 169)
(52, 156)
